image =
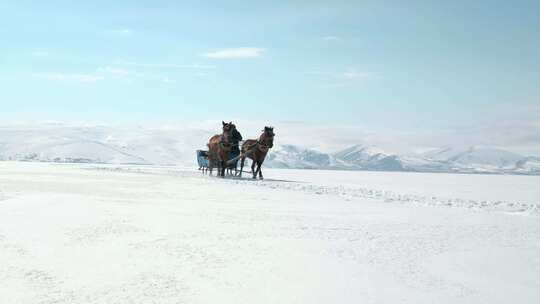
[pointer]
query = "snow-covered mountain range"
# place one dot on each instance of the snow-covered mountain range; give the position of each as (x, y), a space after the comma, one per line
(475, 159)
(176, 146)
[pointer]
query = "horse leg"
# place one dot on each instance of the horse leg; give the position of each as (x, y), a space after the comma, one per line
(242, 160)
(253, 169)
(215, 164)
(259, 169)
(223, 168)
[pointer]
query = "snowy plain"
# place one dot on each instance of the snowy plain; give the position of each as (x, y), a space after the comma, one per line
(72, 233)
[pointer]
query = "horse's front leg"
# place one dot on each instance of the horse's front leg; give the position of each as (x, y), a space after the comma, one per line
(242, 160)
(260, 170)
(253, 163)
(223, 167)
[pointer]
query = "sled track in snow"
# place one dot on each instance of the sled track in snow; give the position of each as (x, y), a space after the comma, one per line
(385, 196)
(347, 193)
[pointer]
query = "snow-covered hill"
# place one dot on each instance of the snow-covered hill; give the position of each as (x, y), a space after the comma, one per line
(480, 159)
(529, 165)
(176, 146)
(101, 144)
(369, 158)
(474, 156)
(290, 156)
(470, 160)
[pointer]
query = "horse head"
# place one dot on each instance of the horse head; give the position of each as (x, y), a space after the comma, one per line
(267, 137)
(228, 127)
(226, 136)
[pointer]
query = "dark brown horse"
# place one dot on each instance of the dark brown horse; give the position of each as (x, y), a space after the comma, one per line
(219, 148)
(256, 150)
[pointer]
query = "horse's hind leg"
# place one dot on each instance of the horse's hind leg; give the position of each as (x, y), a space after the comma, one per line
(242, 165)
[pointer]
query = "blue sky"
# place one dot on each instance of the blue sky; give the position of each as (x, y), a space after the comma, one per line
(405, 65)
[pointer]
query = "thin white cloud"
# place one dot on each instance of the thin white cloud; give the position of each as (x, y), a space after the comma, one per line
(236, 53)
(118, 73)
(331, 38)
(353, 75)
(100, 74)
(122, 32)
(347, 77)
(70, 77)
(124, 71)
(195, 66)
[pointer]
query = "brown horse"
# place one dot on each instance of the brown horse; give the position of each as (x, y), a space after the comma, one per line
(256, 150)
(219, 148)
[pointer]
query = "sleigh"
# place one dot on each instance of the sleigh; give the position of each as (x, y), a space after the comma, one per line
(204, 162)
(202, 159)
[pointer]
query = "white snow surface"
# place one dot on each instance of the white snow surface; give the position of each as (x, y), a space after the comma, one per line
(144, 234)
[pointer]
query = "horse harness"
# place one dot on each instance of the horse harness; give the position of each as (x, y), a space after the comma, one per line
(225, 145)
(260, 145)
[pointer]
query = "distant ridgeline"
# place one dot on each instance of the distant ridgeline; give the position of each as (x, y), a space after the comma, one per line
(470, 160)
(164, 147)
